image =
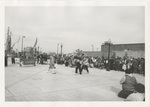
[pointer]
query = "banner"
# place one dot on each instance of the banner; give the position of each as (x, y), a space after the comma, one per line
(8, 42)
(35, 43)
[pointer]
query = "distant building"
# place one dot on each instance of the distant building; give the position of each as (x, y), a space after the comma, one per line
(122, 47)
(93, 53)
(136, 50)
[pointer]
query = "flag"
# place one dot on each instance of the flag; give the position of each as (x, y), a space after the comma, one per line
(16, 42)
(35, 43)
(8, 42)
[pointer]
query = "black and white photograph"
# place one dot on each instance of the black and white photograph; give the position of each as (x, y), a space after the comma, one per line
(74, 54)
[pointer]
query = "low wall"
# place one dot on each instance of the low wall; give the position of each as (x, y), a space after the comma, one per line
(17, 60)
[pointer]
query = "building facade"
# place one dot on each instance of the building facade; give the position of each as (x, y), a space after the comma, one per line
(93, 53)
(136, 50)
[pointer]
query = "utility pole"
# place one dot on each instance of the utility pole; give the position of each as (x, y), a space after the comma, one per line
(92, 47)
(109, 43)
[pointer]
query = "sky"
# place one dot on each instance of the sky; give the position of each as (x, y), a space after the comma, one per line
(76, 27)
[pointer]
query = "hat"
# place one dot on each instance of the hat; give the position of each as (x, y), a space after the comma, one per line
(140, 88)
(128, 71)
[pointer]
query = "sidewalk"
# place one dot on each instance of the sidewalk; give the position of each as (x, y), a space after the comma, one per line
(33, 83)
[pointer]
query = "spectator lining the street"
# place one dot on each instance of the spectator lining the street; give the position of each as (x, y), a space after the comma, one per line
(128, 82)
(115, 63)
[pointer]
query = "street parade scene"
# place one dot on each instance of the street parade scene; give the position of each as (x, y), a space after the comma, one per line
(74, 54)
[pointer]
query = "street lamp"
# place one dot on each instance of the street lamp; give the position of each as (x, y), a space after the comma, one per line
(61, 47)
(57, 48)
(97, 49)
(109, 43)
(22, 43)
(41, 50)
(92, 47)
(38, 50)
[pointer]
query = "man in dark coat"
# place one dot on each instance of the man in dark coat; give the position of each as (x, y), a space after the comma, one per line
(6, 63)
(135, 66)
(78, 66)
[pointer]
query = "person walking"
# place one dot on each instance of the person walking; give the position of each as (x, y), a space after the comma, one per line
(52, 65)
(128, 82)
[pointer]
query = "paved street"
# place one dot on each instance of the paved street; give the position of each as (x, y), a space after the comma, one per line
(33, 83)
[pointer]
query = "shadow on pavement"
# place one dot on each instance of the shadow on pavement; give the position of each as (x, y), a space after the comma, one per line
(116, 90)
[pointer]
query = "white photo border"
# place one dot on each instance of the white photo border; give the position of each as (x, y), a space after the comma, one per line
(3, 4)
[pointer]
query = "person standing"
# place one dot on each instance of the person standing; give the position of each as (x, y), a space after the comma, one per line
(78, 66)
(13, 59)
(117, 64)
(128, 82)
(142, 65)
(6, 62)
(135, 66)
(111, 63)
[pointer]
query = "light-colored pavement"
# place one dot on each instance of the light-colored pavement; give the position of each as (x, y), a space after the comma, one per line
(33, 83)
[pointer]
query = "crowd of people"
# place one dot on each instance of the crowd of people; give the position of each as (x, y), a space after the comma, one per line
(131, 89)
(114, 63)
(118, 64)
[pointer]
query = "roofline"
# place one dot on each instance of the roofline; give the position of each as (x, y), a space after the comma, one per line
(91, 51)
(129, 44)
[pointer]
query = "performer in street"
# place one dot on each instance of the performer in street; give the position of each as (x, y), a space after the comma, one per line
(78, 66)
(85, 65)
(52, 65)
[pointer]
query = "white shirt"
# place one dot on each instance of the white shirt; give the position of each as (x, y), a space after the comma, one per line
(136, 97)
(124, 78)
